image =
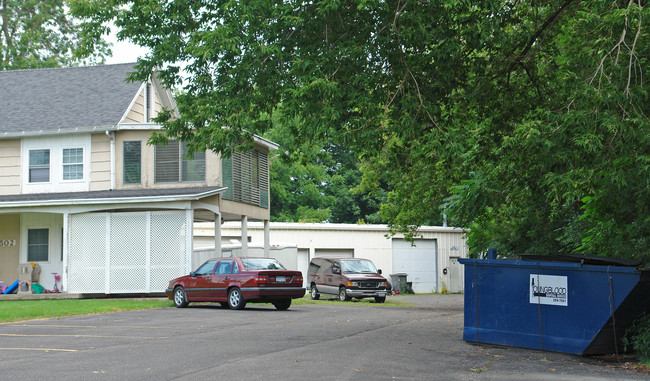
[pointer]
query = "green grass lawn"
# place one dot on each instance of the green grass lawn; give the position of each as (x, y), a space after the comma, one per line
(17, 310)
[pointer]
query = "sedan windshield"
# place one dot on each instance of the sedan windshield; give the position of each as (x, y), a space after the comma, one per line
(262, 264)
(358, 266)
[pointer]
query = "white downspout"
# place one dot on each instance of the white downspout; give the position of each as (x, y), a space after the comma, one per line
(66, 253)
(244, 236)
(217, 236)
(267, 239)
(111, 136)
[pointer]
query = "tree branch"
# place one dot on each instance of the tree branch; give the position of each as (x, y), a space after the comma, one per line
(550, 21)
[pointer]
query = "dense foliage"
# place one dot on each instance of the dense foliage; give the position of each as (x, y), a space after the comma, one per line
(524, 121)
(39, 33)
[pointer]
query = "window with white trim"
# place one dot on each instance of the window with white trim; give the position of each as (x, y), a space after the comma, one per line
(37, 245)
(73, 167)
(172, 166)
(39, 166)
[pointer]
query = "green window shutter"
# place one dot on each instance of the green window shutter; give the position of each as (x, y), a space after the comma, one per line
(226, 173)
(263, 170)
(132, 162)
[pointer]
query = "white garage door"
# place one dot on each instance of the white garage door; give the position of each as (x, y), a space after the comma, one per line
(418, 261)
(335, 253)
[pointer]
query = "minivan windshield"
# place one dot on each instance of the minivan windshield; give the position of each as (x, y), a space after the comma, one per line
(358, 266)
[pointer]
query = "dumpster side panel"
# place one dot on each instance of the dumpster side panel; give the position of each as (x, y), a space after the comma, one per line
(636, 305)
(541, 305)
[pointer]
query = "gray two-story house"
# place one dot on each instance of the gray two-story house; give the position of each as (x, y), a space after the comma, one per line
(83, 195)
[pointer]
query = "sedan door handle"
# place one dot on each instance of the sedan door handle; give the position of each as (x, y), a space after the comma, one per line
(226, 278)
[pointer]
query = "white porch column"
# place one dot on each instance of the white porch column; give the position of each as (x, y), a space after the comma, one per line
(244, 236)
(267, 239)
(217, 235)
(64, 275)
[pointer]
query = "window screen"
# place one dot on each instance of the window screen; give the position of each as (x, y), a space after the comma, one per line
(171, 165)
(37, 244)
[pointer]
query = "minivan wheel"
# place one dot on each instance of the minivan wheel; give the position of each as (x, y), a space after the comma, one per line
(314, 292)
(343, 295)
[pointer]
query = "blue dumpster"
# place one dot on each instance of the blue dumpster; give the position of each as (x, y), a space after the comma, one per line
(553, 305)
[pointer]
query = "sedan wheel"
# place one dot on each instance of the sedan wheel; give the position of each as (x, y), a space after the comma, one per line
(180, 298)
(282, 304)
(343, 296)
(235, 299)
(314, 292)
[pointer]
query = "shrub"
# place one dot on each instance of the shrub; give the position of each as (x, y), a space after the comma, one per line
(638, 339)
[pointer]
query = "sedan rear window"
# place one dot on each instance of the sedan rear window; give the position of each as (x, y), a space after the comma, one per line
(262, 264)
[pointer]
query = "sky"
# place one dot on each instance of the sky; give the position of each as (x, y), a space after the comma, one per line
(123, 51)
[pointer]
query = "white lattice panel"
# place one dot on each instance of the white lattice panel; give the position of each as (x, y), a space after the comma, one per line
(128, 255)
(169, 251)
(128, 239)
(87, 253)
(144, 251)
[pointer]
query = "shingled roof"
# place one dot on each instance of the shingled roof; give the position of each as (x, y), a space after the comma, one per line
(49, 100)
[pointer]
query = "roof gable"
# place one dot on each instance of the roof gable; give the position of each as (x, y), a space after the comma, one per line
(64, 99)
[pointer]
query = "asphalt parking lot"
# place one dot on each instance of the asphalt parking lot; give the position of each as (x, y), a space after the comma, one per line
(307, 342)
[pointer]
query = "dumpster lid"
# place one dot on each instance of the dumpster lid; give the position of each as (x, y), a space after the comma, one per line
(586, 259)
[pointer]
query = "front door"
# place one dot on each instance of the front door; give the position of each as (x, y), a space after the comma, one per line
(455, 275)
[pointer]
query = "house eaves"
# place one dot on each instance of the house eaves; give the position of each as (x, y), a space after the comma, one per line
(131, 196)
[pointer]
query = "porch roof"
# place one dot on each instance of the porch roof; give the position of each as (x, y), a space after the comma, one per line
(120, 196)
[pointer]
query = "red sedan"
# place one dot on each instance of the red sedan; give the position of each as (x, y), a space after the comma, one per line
(233, 282)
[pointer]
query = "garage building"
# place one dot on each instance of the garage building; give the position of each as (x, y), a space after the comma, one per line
(431, 262)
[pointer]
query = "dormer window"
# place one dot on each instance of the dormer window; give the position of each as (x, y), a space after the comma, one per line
(39, 166)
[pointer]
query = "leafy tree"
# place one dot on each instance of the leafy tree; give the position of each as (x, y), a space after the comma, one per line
(525, 121)
(37, 34)
(316, 182)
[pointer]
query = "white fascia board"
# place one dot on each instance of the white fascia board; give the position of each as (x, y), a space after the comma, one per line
(139, 126)
(60, 131)
(135, 98)
(338, 227)
(75, 209)
(111, 201)
(165, 95)
(266, 143)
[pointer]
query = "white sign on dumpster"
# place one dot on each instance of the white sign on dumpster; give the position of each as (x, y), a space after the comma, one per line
(548, 289)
